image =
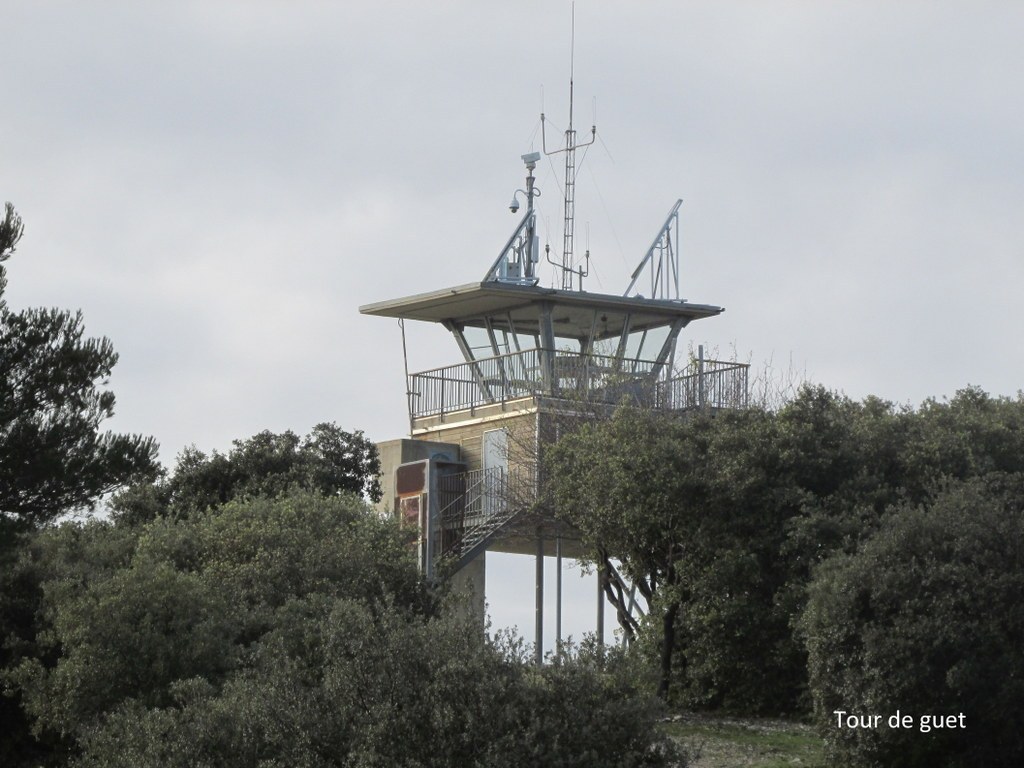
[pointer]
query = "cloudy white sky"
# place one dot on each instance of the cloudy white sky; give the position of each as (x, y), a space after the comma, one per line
(219, 185)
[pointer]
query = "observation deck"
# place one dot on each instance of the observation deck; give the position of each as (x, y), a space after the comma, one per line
(456, 392)
(526, 342)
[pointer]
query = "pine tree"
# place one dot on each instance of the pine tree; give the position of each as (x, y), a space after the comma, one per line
(54, 458)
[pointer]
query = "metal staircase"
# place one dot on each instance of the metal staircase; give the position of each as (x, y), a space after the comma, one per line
(470, 521)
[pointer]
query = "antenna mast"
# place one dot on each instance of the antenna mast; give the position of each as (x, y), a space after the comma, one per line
(569, 271)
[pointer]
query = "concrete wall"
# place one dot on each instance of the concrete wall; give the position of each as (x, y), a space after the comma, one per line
(470, 585)
(400, 451)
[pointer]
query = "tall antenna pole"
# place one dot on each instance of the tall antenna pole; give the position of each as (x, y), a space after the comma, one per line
(567, 266)
(569, 224)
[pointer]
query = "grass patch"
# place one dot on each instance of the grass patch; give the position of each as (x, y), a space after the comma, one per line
(728, 742)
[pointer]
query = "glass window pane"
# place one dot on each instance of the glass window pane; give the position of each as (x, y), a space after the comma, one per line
(654, 342)
(478, 341)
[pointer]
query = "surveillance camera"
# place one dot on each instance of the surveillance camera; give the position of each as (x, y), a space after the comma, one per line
(514, 205)
(531, 158)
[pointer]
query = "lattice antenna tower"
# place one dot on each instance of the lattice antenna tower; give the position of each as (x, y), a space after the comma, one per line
(568, 268)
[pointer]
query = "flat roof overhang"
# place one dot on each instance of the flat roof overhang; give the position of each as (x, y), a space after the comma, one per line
(468, 305)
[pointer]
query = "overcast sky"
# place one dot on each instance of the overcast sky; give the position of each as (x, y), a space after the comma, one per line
(219, 186)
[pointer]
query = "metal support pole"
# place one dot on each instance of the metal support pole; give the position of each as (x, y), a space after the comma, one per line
(700, 376)
(558, 592)
(546, 352)
(427, 504)
(538, 654)
(600, 605)
(629, 612)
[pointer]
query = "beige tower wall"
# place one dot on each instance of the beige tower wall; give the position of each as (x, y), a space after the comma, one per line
(468, 434)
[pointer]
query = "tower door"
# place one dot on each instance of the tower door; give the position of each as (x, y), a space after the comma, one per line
(495, 457)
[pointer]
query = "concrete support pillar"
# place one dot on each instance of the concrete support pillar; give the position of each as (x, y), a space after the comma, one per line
(470, 583)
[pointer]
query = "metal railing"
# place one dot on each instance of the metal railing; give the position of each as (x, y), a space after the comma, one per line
(478, 504)
(468, 385)
(483, 494)
(714, 384)
(503, 378)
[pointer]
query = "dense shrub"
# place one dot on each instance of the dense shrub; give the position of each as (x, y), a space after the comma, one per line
(926, 618)
(294, 631)
(722, 517)
(346, 686)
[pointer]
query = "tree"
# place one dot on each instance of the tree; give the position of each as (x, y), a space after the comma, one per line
(11, 230)
(53, 456)
(295, 631)
(721, 519)
(328, 460)
(129, 610)
(926, 618)
(628, 485)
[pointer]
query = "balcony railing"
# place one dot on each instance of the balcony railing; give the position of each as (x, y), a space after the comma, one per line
(469, 385)
(708, 384)
(504, 378)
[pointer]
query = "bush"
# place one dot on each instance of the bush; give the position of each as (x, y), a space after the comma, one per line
(347, 686)
(295, 632)
(926, 618)
(589, 707)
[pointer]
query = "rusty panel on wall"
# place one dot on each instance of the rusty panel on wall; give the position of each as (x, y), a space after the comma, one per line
(411, 478)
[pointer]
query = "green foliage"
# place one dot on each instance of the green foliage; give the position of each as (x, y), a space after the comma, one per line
(126, 613)
(20, 598)
(328, 460)
(695, 511)
(53, 457)
(339, 683)
(926, 618)
(347, 685)
(129, 635)
(723, 517)
(11, 230)
(295, 631)
(590, 707)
